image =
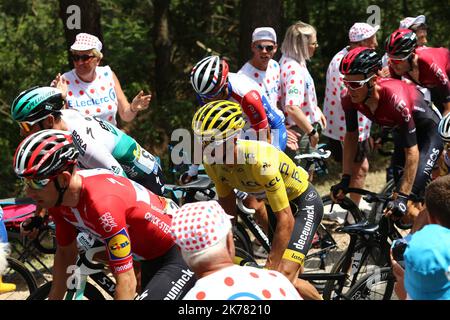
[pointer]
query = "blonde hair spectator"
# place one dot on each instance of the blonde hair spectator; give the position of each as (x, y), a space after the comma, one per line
(296, 40)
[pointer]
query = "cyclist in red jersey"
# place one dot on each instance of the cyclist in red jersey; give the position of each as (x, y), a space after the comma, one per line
(424, 66)
(396, 104)
(128, 218)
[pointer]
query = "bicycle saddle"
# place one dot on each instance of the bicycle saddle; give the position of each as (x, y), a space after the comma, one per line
(361, 228)
(202, 182)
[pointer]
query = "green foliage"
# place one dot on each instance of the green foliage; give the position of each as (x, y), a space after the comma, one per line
(33, 51)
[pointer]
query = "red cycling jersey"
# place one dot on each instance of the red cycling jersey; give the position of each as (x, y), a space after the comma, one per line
(434, 71)
(128, 218)
(400, 105)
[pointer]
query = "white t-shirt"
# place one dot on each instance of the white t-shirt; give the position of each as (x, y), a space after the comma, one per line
(297, 89)
(268, 81)
(243, 283)
(96, 98)
(332, 108)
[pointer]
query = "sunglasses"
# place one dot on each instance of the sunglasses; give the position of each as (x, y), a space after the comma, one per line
(36, 184)
(268, 48)
(399, 60)
(355, 85)
(84, 57)
(26, 126)
(216, 143)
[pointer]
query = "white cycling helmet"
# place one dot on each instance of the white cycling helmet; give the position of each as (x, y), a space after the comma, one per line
(209, 75)
(444, 128)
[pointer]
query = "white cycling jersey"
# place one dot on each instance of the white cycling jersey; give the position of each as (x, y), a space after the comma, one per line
(102, 145)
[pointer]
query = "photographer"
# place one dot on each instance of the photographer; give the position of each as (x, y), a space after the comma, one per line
(426, 272)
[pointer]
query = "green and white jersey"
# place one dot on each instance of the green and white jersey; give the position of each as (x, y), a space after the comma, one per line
(103, 145)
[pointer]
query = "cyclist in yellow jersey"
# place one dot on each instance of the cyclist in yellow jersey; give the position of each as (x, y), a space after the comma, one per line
(266, 172)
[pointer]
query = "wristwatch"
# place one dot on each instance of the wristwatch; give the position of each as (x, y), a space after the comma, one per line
(313, 132)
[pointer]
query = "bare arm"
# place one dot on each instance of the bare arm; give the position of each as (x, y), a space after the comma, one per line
(282, 234)
(64, 257)
(410, 169)
(128, 111)
(125, 285)
(302, 122)
(228, 204)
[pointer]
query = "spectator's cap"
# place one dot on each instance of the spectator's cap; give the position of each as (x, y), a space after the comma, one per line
(264, 33)
(200, 225)
(408, 22)
(361, 31)
(427, 264)
(86, 41)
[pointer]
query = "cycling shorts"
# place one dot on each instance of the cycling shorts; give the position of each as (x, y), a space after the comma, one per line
(153, 182)
(308, 212)
(166, 277)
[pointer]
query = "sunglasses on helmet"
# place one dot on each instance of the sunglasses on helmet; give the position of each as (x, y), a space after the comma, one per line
(354, 85)
(268, 48)
(396, 60)
(83, 57)
(37, 184)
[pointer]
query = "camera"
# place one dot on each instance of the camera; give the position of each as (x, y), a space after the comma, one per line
(398, 249)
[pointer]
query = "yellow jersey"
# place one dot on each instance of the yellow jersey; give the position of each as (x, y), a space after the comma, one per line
(260, 168)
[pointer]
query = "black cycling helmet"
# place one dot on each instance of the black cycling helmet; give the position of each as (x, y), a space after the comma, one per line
(400, 43)
(360, 60)
(36, 103)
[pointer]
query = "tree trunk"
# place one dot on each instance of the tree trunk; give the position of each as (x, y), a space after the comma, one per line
(254, 14)
(80, 16)
(162, 44)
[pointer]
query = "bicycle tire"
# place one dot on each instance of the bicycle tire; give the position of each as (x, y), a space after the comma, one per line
(18, 274)
(346, 204)
(362, 270)
(90, 292)
(377, 208)
(242, 239)
(243, 258)
(39, 239)
(362, 290)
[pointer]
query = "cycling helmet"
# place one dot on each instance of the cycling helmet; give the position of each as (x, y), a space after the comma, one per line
(360, 60)
(36, 103)
(218, 120)
(209, 75)
(444, 128)
(400, 43)
(45, 154)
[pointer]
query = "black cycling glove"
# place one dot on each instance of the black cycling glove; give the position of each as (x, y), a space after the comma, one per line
(398, 206)
(342, 185)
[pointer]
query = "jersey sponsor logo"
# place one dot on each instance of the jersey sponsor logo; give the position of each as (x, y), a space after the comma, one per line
(77, 103)
(81, 146)
(178, 285)
(125, 267)
(439, 73)
(400, 106)
(157, 221)
(294, 256)
(119, 246)
(106, 126)
(272, 182)
(307, 229)
(107, 222)
(293, 90)
(250, 184)
(434, 155)
(311, 196)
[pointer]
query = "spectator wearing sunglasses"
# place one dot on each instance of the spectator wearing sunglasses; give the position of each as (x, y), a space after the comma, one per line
(424, 66)
(95, 90)
(360, 35)
(298, 93)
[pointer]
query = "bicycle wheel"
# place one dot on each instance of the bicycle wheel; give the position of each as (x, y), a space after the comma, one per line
(363, 261)
(242, 239)
(46, 241)
(377, 208)
(90, 292)
(378, 285)
(243, 258)
(18, 275)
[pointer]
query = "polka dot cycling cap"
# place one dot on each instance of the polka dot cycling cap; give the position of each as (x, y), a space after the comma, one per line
(361, 31)
(200, 225)
(86, 41)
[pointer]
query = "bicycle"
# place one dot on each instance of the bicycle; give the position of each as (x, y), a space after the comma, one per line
(79, 288)
(368, 249)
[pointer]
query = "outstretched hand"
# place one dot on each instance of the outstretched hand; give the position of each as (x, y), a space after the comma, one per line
(60, 83)
(140, 102)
